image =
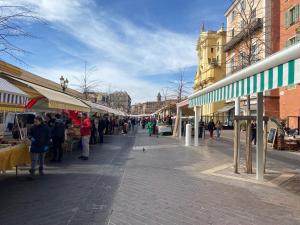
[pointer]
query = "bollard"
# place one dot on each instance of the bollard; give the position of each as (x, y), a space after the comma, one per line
(188, 135)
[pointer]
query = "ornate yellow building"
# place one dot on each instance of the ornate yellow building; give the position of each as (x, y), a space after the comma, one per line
(211, 65)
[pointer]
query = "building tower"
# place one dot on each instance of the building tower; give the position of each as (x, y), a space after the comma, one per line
(211, 65)
(159, 97)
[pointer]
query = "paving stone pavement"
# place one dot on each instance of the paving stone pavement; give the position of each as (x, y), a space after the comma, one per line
(74, 192)
(164, 185)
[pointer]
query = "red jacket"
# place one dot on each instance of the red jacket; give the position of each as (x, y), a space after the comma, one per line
(86, 127)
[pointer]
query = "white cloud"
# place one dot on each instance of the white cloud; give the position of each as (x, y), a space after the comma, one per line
(128, 51)
(108, 77)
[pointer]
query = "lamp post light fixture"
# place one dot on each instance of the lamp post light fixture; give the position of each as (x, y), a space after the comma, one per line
(64, 83)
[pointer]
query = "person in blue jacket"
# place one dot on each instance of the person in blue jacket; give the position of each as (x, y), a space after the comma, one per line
(40, 139)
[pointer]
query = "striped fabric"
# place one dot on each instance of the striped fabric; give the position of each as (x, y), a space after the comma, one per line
(12, 98)
(281, 76)
(10, 94)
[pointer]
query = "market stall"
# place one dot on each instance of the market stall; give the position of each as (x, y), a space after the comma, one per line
(48, 102)
(12, 152)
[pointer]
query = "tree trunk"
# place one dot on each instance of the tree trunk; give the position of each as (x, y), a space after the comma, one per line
(265, 144)
(175, 130)
(248, 140)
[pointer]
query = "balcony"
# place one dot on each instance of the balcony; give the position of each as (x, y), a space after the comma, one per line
(256, 25)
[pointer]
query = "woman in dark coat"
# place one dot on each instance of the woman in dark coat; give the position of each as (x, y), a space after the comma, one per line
(40, 140)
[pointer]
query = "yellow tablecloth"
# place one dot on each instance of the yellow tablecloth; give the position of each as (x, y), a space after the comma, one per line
(14, 156)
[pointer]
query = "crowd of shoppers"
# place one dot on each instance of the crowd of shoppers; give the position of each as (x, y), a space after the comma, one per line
(48, 135)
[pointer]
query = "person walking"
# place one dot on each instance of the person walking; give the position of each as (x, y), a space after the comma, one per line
(101, 127)
(211, 127)
(154, 126)
(93, 139)
(149, 127)
(40, 140)
(218, 129)
(170, 122)
(85, 131)
(253, 132)
(133, 122)
(58, 137)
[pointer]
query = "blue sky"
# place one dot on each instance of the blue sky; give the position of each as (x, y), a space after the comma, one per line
(132, 45)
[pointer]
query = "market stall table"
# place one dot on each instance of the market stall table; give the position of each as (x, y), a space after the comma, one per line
(164, 129)
(14, 156)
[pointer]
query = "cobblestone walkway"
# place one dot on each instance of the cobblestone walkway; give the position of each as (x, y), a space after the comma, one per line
(164, 185)
(74, 192)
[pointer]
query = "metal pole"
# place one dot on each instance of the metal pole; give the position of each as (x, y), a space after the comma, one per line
(196, 126)
(259, 137)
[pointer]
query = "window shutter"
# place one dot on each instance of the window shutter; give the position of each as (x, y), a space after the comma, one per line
(298, 38)
(297, 9)
(287, 24)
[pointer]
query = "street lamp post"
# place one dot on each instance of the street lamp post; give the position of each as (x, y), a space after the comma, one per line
(64, 83)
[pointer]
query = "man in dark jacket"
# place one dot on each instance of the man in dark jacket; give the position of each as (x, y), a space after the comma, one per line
(93, 139)
(40, 139)
(58, 137)
(211, 127)
(101, 127)
(253, 132)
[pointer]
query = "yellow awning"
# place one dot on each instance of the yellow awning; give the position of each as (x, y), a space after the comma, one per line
(57, 100)
(15, 108)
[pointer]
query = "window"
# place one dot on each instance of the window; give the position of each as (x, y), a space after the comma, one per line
(292, 41)
(243, 5)
(242, 25)
(292, 16)
(232, 32)
(254, 57)
(232, 64)
(241, 59)
(232, 15)
(253, 14)
(212, 50)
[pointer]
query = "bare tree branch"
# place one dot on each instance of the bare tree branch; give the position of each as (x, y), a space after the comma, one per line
(86, 84)
(12, 27)
(180, 87)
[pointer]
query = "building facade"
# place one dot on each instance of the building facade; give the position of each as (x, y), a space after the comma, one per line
(150, 107)
(99, 97)
(252, 35)
(211, 65)
(289, 35)
(120, 100)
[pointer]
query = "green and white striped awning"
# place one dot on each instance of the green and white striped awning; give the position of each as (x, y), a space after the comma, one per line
(258, 77)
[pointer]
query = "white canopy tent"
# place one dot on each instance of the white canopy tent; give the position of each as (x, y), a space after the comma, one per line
(104, 109)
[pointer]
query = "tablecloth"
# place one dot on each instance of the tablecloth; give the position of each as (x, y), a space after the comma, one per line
(14, 156)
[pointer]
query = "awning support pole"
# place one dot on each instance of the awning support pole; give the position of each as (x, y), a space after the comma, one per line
(265, 143)
(180, 122)
(259, 137)
(196, 126)
(236, 147)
